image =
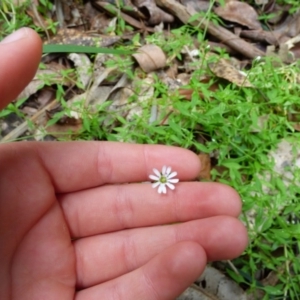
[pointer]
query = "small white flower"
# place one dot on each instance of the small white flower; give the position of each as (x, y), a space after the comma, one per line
(164, 179)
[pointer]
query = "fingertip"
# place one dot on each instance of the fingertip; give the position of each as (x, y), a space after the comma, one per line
(243, 239)
(239, 240)
(174, 270)
(24, 39)
(229, 240)
(34, 39)
(20, 55)
(189, 258)
(195, 164)
(230, 199)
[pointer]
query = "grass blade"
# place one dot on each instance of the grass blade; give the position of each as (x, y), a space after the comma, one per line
(82, 49)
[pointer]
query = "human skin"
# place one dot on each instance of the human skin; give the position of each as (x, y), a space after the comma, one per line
(77, 223)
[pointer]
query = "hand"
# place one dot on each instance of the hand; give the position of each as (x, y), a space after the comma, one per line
(72, 227)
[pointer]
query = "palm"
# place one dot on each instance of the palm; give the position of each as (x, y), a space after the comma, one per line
(40, 253)
(44, 261)
(72, 226)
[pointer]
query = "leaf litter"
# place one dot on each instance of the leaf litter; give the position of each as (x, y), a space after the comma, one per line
(69, 88)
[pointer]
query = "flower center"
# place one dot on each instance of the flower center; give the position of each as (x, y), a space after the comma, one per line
(163, 179)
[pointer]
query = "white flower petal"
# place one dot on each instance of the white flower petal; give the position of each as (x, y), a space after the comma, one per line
(170, 185)
(173, 174)
(156, 184)
(157, 172)
(168, 171)
(153, 177)
(164, 169)
(174, 180)
(162, 189)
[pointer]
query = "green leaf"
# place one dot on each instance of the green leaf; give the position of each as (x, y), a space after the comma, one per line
(237, 277)
(273, 290)
(82, 49)
(4, 113)
(231, 164)
(193, 18)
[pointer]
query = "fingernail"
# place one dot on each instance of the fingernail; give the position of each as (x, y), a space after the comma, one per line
(17, 35)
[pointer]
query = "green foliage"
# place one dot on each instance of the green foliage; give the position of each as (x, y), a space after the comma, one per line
(240, 126)
(12, 18)
(229, 120)
(120, 26)
(13, 108)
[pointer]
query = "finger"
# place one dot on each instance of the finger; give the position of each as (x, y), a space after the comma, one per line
(163, 278)
(116, 207)
(20, 54)
(118, 253)
(75, 166)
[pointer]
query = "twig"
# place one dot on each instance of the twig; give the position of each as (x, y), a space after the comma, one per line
(130, 20)
(166, 117)
(220, 33)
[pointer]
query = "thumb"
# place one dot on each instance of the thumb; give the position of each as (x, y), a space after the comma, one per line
(20, 54)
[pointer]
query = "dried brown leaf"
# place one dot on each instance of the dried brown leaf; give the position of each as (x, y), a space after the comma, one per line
(205, 166)
(291, 26)
(296, 126)
(49, 76)
(150, 58)
(283, 54)
(275, 12)
(239, 12)
(270, 37)
(200, 5)
(261, 2)
(296, 51)
(82, 64)
(224, 69)
(156, 14)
